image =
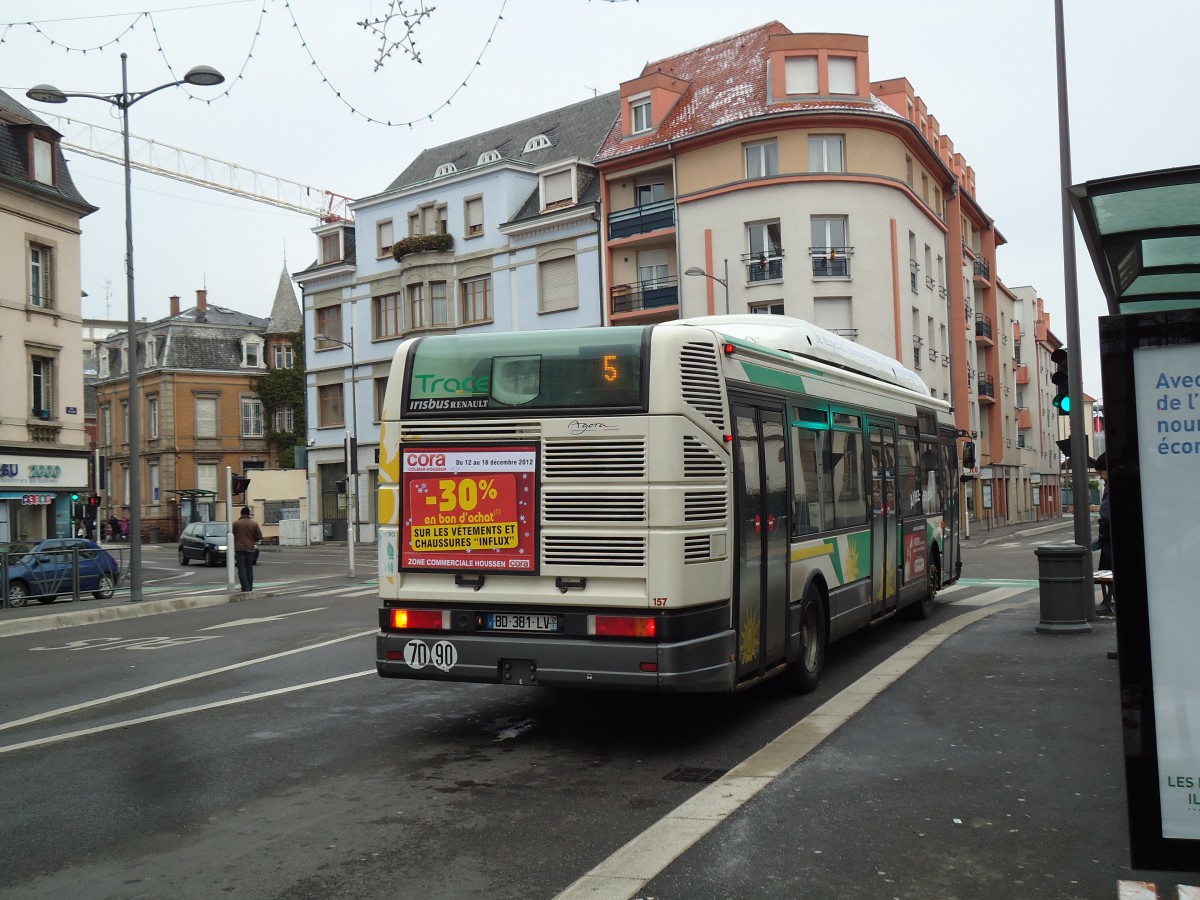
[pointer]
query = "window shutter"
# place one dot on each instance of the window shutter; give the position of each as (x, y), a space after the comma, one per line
(559, 284)
(842, 75)
(206, 477)
(559, 187)
(206, 417)
(475, 216)
(800, 74)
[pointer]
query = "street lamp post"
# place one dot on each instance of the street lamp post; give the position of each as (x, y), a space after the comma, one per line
(202, 76)
(724, 282)
(351, 447)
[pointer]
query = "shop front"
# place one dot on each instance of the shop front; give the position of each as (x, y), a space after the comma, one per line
(36, 495)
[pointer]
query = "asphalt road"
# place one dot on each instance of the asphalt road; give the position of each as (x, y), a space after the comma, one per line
(249, 749)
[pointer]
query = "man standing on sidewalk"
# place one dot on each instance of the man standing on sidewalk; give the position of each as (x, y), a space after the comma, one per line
(246, 534)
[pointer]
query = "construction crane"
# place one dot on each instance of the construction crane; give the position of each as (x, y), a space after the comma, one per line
(147, 155)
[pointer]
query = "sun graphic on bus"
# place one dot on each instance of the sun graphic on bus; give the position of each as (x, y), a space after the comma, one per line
(850, 566)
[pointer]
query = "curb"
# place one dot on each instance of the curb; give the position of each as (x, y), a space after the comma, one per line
(125, 610)
(1025, 532)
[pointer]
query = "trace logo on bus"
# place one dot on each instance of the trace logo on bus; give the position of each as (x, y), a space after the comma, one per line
(469, 508)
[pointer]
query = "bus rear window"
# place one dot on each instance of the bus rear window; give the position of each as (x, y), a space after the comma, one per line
(567, 370)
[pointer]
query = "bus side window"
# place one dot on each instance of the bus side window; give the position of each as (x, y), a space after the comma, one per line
(908, 486)
(930, 475)
(846, 474)
(806, 455)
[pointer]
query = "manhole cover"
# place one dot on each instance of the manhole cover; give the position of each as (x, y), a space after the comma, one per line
(700, 776)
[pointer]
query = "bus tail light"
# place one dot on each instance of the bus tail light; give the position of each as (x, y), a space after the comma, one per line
(423, 619)
(623, 626)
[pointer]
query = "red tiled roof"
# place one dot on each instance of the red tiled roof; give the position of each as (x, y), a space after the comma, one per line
(727, 82)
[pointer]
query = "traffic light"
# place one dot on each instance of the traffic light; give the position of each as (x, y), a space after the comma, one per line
(968, 454)
(341, 486)
(74, 498)
(93, 501)
(1062, 395)
(240, 484)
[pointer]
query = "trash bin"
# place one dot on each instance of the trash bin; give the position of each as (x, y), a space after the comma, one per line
(155, 534)
(1065, 588)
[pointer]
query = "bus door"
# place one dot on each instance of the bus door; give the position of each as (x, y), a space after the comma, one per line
(885, 518)
(761, 508)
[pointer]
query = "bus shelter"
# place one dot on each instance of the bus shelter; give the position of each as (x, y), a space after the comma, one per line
(1143, 234)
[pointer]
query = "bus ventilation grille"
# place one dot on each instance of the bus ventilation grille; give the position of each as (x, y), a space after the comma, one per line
(705, 506)
(593, 550)
(697, 548)
(595, 459)
(701, 377)
(591, 507)
(699, 461)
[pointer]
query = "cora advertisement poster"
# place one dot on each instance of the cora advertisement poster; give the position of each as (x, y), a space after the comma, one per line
(469, 508)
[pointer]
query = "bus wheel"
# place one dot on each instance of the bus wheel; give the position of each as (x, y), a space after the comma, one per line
(806, 672)
(923, 608)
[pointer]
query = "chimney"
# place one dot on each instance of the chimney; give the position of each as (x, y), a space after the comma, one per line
(201, 301)
(174, 304)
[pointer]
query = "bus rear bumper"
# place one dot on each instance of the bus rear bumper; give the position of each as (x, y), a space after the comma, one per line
(702, 664)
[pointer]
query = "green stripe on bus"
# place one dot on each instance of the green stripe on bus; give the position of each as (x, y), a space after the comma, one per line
(773, 378)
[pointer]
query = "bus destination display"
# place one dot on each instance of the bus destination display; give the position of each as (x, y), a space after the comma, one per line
(469, 508)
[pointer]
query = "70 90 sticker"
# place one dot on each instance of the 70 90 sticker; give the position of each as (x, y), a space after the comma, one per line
(441, 655)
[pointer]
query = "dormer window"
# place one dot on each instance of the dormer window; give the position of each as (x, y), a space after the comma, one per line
(43, 161)
(537, 142)
(558, 188)
(125, 356)
(252, 352)
(488, 156)
(639, 113)
(331, 246)
(102, 358)
(445, 169)
(842, 75)
(151, 350)
(800, 73)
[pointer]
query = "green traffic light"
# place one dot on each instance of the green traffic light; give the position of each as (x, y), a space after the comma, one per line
(74, 498)
(1065, 406)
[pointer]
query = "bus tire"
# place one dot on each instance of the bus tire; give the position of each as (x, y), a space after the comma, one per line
(805, 673)
(923, 608)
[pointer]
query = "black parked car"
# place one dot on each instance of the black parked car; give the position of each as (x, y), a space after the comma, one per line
(206, 542)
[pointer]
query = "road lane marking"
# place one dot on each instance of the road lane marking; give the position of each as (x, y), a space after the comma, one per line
(66, 710)
(639, 861)
(99, 729)
(261, 619)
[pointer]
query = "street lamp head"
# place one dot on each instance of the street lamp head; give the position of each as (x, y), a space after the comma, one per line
(695, 270)
(202, 76)
(46, 93)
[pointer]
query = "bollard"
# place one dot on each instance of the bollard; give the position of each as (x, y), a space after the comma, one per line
(1065, 586)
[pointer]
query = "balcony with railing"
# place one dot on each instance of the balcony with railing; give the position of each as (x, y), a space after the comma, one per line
(764, 266)
(983, 328)
(1024, 418)
(645, 295)
(987, 388)
(1022, 374)
(983, 271)
(831, 262)
(642, 219)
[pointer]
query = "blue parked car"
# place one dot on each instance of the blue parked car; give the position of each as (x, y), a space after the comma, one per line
(44, 570)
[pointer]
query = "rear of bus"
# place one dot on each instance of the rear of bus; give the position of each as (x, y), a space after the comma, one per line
(554, 510)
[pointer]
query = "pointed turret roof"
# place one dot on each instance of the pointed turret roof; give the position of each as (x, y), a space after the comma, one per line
(286, 317)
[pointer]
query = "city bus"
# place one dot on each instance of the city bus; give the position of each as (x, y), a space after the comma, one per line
(697, 505)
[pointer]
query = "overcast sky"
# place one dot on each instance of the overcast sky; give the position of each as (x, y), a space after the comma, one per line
(986, 71)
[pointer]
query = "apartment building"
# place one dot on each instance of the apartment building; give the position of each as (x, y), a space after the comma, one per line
(497, 231)
(771, 168)
(199, 412)
(43, 442)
